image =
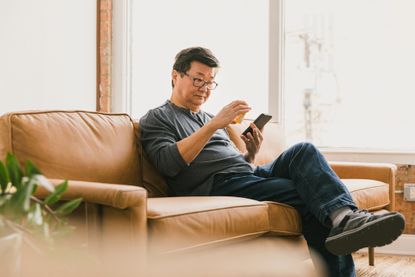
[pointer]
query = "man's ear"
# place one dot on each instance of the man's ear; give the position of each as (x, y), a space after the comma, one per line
(174, 76)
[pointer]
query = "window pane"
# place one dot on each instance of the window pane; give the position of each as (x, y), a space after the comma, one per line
(348, 73)
(236, 31)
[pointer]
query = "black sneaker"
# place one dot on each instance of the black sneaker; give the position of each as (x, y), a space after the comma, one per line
(363, 229)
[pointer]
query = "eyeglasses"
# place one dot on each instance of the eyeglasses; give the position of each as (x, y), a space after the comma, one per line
(200, 83)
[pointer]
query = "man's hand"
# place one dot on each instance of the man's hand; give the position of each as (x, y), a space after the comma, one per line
(228, 113)
(191, 146)
(253, 142)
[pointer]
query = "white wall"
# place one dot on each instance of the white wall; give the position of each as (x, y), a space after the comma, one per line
(47, 54)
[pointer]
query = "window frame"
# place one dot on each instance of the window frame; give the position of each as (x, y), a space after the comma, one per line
(351, 154)
(121, 100)
(121, 86)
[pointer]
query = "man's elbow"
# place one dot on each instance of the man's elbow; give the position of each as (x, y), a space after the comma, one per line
(167, 169)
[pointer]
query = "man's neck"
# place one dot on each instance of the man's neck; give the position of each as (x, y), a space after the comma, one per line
(178, 104)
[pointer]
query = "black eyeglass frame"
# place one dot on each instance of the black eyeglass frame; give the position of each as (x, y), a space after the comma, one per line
(200, 83)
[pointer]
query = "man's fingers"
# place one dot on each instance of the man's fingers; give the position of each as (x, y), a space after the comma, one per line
(250, 137)
(257, 134)
(239, 106)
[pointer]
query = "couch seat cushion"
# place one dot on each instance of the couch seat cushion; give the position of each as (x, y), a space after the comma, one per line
(368, 194)
(284, 220)
(180, 223)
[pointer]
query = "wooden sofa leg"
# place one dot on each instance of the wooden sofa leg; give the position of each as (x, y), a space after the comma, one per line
(371, 251)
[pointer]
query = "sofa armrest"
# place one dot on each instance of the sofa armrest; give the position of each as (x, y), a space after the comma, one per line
(383, 172)
(113, 195)
(114, 216)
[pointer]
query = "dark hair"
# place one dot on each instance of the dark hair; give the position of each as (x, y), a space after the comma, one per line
(186, 56)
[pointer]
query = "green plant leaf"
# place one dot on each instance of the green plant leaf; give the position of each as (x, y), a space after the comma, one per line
(44, 182)
(68, 207)
(36, 215)
(3, 200)
(15, 172)
(4, 178)
(17, 200)
(20, 201)
(28, 189)
(22, 208)
(56, 195)
(31, 169)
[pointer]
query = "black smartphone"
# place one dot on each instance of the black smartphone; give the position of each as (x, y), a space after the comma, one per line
(260, 122)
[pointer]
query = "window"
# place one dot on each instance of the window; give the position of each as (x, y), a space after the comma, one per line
(235, 30)
(348, 73)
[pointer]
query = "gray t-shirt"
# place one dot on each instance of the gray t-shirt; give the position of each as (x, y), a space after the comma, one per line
(162, 127)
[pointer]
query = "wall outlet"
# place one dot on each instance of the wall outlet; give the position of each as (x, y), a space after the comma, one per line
(409, 192)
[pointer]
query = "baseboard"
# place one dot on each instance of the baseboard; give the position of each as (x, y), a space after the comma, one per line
(404, 245)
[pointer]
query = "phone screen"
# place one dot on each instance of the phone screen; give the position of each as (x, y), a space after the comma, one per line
(260, 122)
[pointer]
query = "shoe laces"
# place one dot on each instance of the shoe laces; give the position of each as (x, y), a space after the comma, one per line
(363, 212)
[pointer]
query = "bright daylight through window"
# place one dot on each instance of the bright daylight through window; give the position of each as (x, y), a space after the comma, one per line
(235, 30)
(348, 73)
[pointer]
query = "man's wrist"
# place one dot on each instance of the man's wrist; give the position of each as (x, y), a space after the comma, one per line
(249, 158)
(210, 126)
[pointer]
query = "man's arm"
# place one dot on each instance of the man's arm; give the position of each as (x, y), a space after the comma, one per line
(169, 156)
(191, 146)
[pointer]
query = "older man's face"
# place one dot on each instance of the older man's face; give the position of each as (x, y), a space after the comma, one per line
(191, 89)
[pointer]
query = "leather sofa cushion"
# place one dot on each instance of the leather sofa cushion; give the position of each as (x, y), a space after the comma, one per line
(368, 194)
(284, 220)
(75, 145)
(180, 223)
(371, 195)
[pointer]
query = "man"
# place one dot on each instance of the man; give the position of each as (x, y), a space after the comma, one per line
(192, 149)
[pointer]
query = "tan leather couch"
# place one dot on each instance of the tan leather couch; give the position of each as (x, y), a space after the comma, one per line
(127, 216)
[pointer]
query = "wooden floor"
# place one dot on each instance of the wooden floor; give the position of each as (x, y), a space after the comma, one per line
(385, 266)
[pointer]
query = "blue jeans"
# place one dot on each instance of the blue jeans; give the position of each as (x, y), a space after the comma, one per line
(302, 178)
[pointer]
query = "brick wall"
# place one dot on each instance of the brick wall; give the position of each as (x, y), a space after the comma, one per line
(104, 37)
(405, 174)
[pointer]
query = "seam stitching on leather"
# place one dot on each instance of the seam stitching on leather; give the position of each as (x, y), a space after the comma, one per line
(119, 195)
(378, 207)
(374, 187)
(203, 211)
(68, 111)
(286, 233)
(278, 204)
(214, 242)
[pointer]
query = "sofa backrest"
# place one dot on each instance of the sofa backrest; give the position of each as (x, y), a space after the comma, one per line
(152, 180)
(272, 146)
(100, 147)
(74, 145)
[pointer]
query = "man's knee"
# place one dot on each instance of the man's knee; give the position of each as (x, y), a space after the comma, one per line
(303, 146)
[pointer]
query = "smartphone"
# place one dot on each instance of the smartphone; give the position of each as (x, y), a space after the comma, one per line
(260, 122)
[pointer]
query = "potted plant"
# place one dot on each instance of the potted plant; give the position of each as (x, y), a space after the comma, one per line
(26, 220)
